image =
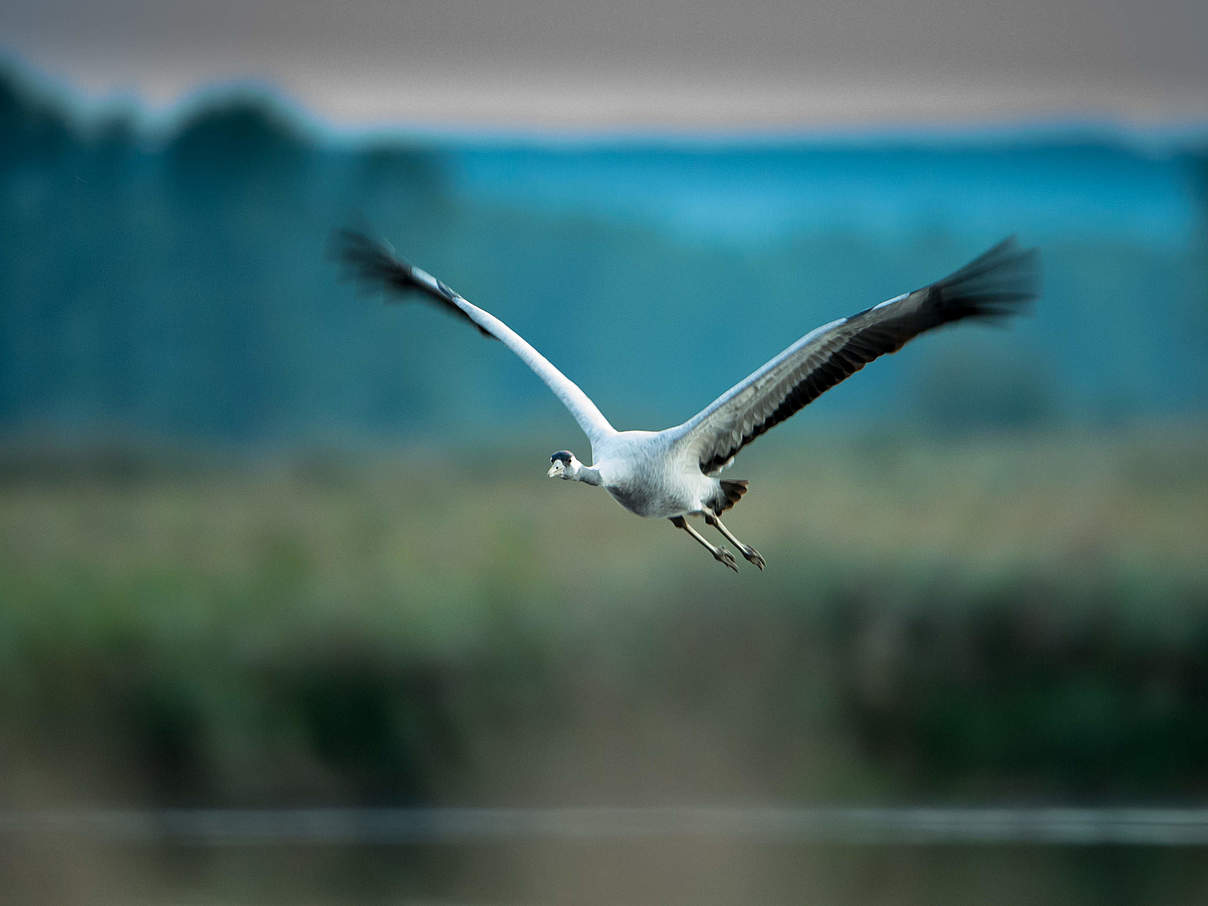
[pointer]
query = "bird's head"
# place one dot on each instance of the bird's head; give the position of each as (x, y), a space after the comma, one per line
(563, 464)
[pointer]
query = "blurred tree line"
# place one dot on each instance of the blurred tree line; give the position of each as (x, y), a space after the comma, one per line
(176, 282)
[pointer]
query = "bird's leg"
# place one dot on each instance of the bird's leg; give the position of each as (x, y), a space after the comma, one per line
(747, 551)
(720, 554)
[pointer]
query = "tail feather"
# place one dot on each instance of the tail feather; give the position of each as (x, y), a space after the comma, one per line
(733, 489)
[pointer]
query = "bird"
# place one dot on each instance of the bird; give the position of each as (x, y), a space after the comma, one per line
(674, 473)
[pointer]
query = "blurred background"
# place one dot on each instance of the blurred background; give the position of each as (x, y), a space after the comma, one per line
(284, 589)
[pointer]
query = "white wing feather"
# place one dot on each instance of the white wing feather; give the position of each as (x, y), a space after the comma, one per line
(372, 261)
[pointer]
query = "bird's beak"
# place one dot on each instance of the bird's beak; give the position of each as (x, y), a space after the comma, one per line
(554, 470)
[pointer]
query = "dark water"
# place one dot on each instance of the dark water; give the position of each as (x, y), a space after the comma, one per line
(481, 856)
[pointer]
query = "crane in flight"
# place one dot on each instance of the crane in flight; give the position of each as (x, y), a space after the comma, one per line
(673, 473)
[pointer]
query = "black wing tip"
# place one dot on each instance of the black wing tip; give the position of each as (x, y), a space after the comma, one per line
(370, 263)
(1001, 282)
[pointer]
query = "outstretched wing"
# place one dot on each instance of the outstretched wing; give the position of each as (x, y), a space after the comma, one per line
(372, 262)
(995, 285)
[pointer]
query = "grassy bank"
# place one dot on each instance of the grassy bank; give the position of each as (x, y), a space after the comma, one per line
(1003, 617)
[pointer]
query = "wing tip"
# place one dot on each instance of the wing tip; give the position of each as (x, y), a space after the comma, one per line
(373, 265)
(369, 263)
(1001, 282)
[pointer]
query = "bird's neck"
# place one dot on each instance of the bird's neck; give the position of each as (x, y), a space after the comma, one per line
(588, 475)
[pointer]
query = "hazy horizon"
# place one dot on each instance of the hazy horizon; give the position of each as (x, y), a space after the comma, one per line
(531, 64)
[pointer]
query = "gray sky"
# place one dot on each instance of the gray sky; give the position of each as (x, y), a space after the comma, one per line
(641, 63)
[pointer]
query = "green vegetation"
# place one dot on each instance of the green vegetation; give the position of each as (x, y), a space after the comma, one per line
(1001, 617)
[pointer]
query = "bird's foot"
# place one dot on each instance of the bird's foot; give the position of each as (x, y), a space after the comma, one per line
(753, 556)
(726, 558)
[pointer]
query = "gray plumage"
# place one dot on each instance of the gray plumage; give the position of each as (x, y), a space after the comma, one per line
(673, 473)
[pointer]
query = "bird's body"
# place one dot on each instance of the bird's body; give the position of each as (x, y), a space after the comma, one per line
(674, 473)
(645, 473)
